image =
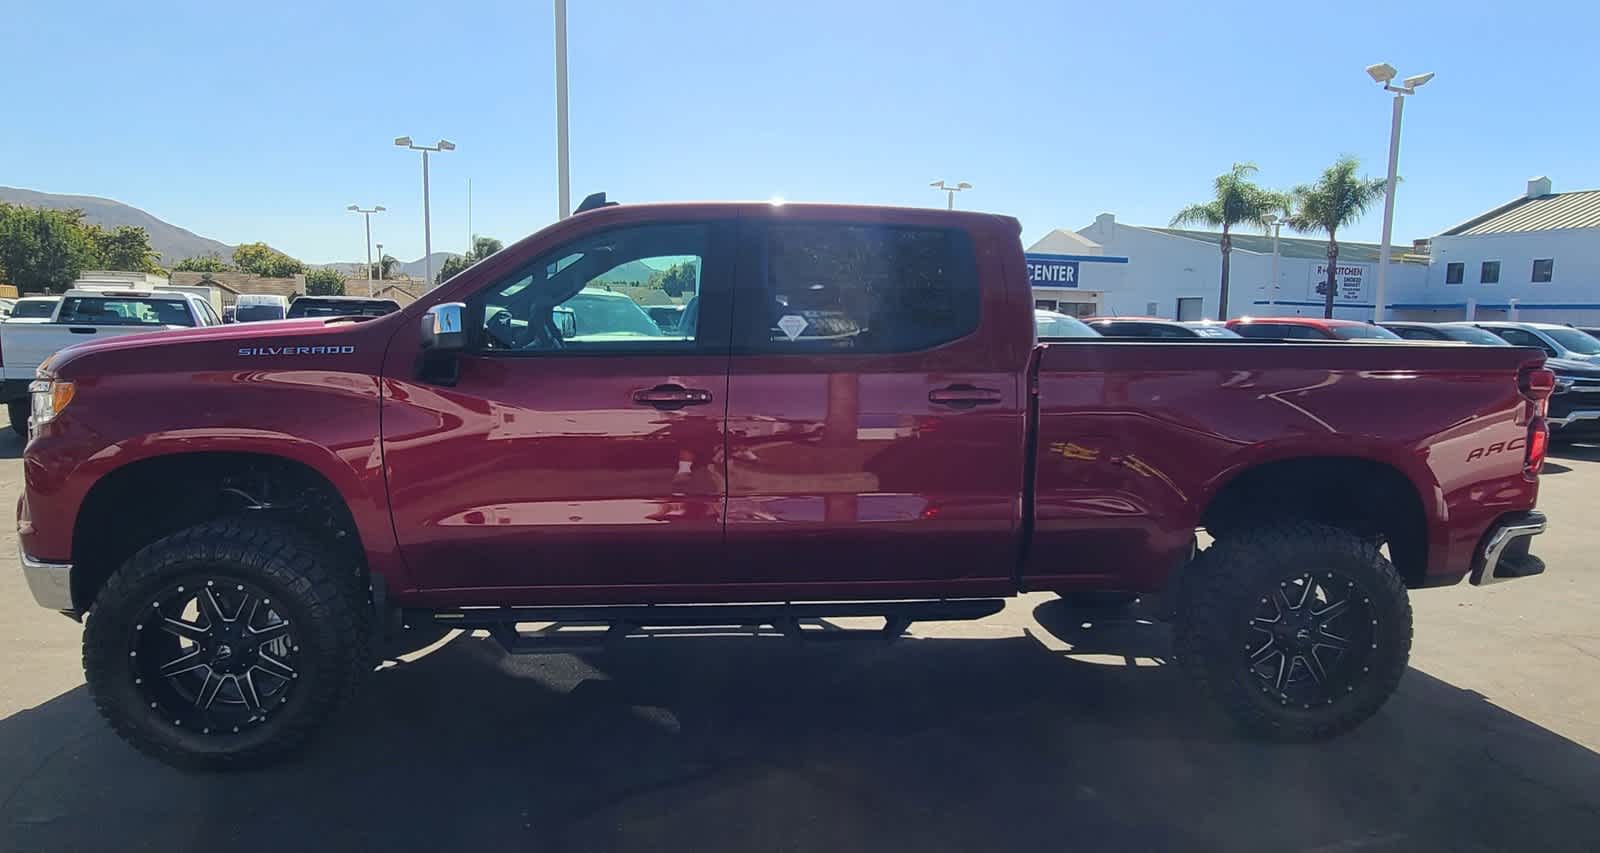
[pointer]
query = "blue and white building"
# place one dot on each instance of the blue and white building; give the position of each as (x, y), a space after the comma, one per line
(1534, 258)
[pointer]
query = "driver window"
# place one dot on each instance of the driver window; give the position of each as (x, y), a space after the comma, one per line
(633, 289)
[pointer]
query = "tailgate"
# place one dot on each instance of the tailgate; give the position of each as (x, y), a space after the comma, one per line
(1135, 437)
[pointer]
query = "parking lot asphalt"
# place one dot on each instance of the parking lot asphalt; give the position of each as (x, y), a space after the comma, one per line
(1038, 729)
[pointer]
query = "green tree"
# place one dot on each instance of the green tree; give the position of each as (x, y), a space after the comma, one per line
(210, 262)
(1336, 200)
(324, 281)
(125, 248)
(1238, 201)
(263, 260)
(43, 250)
(677, 279)
(482, 247)
(384, 268)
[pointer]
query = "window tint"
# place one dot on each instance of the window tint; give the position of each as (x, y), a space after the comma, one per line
(258, 311)
(1489, 273)
(1351, 333)
(863, 288)
(1544, 270)
(1052, 325)
(1520, 338)
(630, 290)
(1453, 272)
(1279, 331)
(1412, 333)
(113, 311)
(1575, 341)
(34, 308)
(1472, 335)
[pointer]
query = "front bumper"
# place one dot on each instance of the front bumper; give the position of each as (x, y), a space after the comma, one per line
(50, 583)
(1503, 553)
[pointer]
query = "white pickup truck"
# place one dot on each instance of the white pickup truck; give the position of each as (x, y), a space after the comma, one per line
(88, 314)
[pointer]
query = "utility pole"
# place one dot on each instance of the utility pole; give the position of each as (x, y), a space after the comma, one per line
(563, 179)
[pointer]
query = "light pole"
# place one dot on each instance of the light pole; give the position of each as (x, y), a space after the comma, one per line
(563, 180)
(366, 214)
(951, 190)
(427, 224)
(1277, 222)
(1383, 74)
(380, 262)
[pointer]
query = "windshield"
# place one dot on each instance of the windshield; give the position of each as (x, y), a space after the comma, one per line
(1215, 332)
(340, 308)
(34, 308)
(593, 314)
(1473, 335)
(1061, 326)
(124, 311)
(1574, 340)
(1353, 333)
(254, 313)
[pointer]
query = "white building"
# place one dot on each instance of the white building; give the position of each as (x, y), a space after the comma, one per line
(1534, 258)
(1176, 273)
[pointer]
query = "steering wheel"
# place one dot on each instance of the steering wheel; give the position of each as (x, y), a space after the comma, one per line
(504, 334)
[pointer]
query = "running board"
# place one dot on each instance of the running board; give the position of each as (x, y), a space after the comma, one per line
(562, 628)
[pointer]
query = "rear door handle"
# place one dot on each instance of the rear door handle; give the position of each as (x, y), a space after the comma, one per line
(670, 396)
(964, 396)
(82, 330)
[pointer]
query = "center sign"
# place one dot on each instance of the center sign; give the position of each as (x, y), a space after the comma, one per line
(1049, 272)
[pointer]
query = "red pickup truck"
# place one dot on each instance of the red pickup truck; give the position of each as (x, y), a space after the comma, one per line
(849, 415)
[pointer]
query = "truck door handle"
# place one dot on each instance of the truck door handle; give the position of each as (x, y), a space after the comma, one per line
(964, 396)
(669, 396)
(82, 330)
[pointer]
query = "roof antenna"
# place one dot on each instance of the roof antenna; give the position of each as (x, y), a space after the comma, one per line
(594, 201)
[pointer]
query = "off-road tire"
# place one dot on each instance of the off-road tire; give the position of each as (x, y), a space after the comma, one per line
(317, 596)
(1229, 579)
(19, 412)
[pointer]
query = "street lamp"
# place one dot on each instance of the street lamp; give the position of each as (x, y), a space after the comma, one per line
(380, 262)
(427, 225)
(563, 179)
(1383, 74)
(1276, 223)
(951, 190)
(366, 213)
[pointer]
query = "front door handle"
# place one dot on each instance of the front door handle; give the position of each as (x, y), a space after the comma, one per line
(670, 396)
(964, 396)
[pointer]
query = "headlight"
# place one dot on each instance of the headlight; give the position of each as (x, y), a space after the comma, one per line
(1563, 385)
(49, 398)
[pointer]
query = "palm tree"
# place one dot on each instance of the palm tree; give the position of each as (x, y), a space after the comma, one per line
(1238, 202)
(384, 267)
(1336, 200)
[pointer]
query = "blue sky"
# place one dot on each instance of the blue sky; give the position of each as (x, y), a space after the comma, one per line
(262, 122)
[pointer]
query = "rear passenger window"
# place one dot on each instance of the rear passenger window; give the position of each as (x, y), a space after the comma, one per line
(862, 288)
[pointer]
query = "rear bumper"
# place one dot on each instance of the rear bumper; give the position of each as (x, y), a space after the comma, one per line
(50, 583)
(1503, 554)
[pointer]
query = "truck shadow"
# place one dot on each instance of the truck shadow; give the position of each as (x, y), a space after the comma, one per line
(1081, 738)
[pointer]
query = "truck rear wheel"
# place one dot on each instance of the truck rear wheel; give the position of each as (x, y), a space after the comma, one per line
(225, 645)
(1301, 631)
(19, 410)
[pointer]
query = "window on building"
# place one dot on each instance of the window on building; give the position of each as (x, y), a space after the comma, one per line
(1544, 269)
(1489, 273)
(1453, 272)
(1189, 308)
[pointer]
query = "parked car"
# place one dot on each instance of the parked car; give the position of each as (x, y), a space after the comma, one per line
(1050, 324)
(254, 307)
(1464, 333)
(1309, 329)
(667, 317)
(33, 309)
(341, 306)
(81, 316)
(1574, 356)
(246, 512)
(1591, 331)
(1159, 329)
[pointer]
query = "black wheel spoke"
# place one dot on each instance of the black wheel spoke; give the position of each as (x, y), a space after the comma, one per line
(195, 659)
(1330, 641)
(1305, 592)
(208, 692)
(180, 628)
(247, 691)
(1281, 678)
(1267, 650)
(270, 632)
(211, 607)
(1327, 614)
(272, 666)
(1314, 666)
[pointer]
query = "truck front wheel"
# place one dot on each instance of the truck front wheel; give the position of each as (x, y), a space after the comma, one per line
(225, 645)
(1301, 631)
(19, 410)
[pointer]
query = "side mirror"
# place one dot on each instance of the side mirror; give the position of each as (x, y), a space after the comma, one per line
(442, 327)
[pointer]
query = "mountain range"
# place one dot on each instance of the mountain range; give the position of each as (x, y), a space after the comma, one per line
(172, 242)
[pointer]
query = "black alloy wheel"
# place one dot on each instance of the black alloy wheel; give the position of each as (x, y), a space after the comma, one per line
(1310, 638)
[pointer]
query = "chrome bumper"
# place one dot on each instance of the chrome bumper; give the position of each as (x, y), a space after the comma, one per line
(1504, 552)
(1575, 416)
(50, 583)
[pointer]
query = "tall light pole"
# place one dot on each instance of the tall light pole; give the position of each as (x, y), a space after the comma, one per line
(563, 179)
(366, 214)
(427, 223)
(1277, 222)
(380, 263)
(951, 190)
(1383, 74)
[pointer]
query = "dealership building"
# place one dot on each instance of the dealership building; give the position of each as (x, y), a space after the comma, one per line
(1536, 257)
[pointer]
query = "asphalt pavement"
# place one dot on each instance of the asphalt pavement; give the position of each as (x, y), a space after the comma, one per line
(1038, 729)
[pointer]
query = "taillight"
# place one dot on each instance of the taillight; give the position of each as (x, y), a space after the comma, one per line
(1538, 444)
(1537, 384)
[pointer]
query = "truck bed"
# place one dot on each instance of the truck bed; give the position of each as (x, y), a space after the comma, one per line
(1136, 440)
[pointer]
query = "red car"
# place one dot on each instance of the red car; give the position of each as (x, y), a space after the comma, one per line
(1309, 329)
(851, 417)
